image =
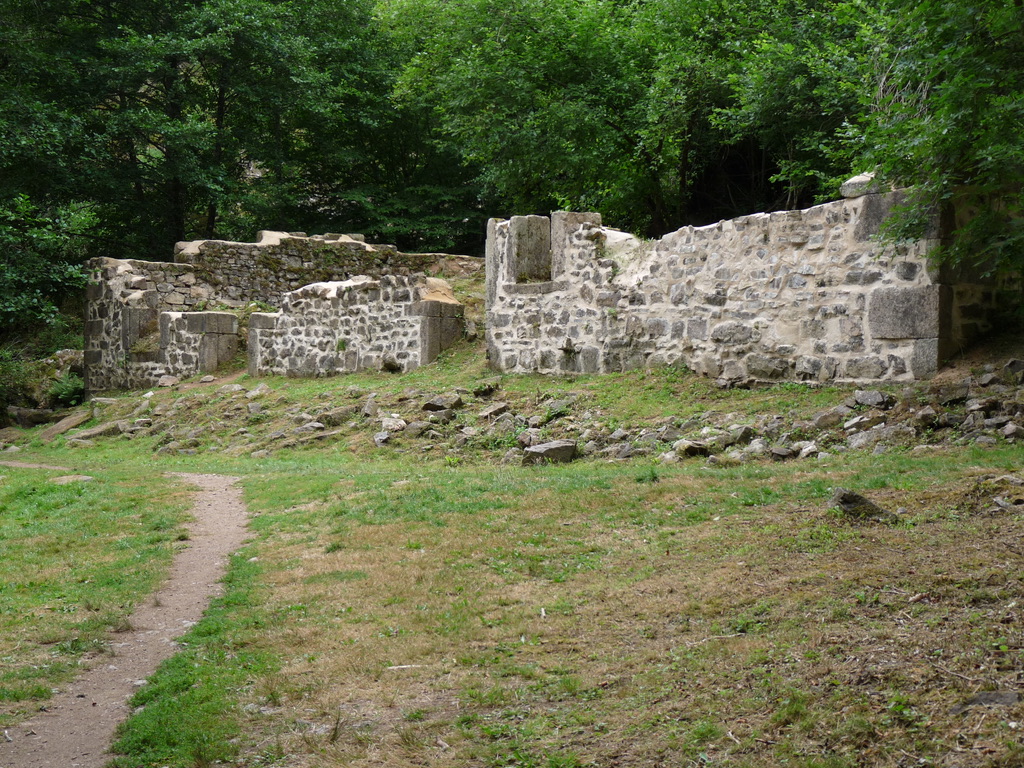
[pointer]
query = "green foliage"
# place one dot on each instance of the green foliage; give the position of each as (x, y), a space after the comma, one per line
(216, 118)
(949, 120)
(16, 377)
(67, 390)
(40, 255)
(410, 120)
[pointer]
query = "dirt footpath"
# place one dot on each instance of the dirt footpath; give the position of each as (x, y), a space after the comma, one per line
(78, 726)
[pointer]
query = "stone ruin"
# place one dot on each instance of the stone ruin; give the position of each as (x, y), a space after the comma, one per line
(793, 295)
(798, 295)
(344, 305)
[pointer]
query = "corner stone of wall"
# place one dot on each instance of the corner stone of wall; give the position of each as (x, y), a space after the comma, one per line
(789, 295)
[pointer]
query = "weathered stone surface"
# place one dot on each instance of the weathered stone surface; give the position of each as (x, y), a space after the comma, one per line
(987, 699)
(556, 451)
(493, 411)
(808, 295)
(691, 448)
(444, 416)
(906, 313)
(449, 400)
(68, 479)
(832, 417)
(416, 428)
(860, 185)
(895, 434)
(103, 430)
(338, 416)
(874, 398)
(529, 241)
(1012, 431)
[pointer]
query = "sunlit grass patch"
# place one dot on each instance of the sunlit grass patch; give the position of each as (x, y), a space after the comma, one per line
(74, 560)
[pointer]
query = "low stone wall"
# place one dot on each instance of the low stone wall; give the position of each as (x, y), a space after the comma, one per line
(395, 323)
(807, 295)
(129, 343)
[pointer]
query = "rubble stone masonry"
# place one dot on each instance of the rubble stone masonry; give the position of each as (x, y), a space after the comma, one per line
(145, 320)
(799, 295)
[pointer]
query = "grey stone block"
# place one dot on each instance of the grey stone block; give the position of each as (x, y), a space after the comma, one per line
(451, 331)
(427, 308)
(195, 322)
(563, 225)
(263, 320)
(908, 313)
(865, 368)
(925, 359)
(451, 310)
(221, 322)
(529, 248)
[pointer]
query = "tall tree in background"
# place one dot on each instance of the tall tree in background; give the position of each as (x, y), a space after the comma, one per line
(618, 107)
(949, 122)
(211, 118)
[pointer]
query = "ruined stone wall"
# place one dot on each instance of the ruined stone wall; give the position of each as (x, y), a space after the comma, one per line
(196, 342)
(802, 295)
(128, 343)
(395, 323)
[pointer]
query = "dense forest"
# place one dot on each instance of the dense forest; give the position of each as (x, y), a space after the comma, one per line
(126, 126)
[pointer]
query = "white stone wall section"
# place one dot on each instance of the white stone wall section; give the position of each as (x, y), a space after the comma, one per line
(797, 295)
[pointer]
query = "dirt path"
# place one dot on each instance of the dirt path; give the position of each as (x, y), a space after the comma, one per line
(78, 726)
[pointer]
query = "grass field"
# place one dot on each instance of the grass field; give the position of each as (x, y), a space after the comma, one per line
(401, 608)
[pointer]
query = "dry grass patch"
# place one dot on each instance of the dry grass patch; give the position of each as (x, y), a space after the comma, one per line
(591, 619)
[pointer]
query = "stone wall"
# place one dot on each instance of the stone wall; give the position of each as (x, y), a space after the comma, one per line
(142, 317)
(807, 295)
(395, 323)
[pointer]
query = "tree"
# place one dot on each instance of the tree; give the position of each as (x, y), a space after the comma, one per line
(40, 262)
(948, 121)
(598, 104)
(212, 118)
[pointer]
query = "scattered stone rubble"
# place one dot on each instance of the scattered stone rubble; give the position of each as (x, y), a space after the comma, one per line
(486, 421)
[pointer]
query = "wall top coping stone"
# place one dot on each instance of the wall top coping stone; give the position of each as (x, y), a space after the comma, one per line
(860, 185)
(269, 238)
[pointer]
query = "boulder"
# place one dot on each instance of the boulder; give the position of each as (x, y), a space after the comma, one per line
(895, 434)
(64, 425)
(874, 398)
(554, 452)
(103, 430)
(493, 411)
(445, 402)
(691, 448)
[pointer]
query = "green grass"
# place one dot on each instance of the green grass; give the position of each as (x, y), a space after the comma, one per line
(456, 613)
(187, 714)
(74, 560)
